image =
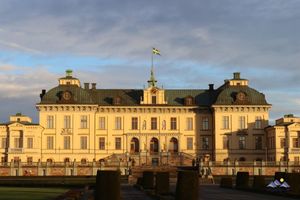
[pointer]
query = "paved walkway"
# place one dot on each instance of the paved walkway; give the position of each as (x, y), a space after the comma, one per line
(128, 192)
(214, 192)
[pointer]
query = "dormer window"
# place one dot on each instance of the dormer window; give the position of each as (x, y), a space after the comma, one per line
(117, 101)
(153, 101)
(188, 101)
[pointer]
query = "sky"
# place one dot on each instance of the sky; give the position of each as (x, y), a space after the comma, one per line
(110, 42)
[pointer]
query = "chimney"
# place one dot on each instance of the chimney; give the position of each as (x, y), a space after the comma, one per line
(94, 86)
(86, 86)
(42, 94)
(211, 86)
(236, 75)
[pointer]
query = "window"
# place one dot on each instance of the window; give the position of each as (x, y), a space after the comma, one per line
(83, 161)
(67, 142)
(30, 143)
(189, 101)
(153, 123)
(117, 100)
(50, 141)
(153, 99)
(225, 142)
(102, 143)
(205, 143)
(67, 121)
(271, 142)
(83, 142)
(29, 160)
(173, 123)
(295, 143)
(3, 143)
(242, 122)
(102, 123)
(242, 142)
(205, 123)
(17, 143)
(118, 123)
(189, 143)
(282, 142)
(134, 123)
(118, 143)
(189, 123)
(258, 122)
(66, 160)
(50, 121)
(225, 122)
(83, 121)
(258, 142)
(296, 159)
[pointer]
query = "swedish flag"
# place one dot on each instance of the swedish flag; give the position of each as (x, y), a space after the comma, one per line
(156, 51)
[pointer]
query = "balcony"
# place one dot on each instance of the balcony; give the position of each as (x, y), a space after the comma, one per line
(15, 150)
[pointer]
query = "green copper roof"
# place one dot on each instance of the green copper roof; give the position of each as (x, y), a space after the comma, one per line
(227, 95)
(224, 95)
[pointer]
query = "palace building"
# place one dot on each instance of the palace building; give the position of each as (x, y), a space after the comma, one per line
(86, 123)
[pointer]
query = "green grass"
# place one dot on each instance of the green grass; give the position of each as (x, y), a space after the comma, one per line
(23, 193)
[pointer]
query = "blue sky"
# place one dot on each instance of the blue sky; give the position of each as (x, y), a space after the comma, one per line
(109, 42)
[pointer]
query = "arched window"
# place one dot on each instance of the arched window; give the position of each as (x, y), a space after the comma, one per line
(173, 145)
(134, 145)
(154, 148)
(163, 125)
(83, 161)
(67, 160)
(49, 160)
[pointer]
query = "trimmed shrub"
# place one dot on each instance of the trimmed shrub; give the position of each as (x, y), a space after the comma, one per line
(187, 185)
(107, 185)
(162, 183)
(259, 183)
(242, 180)
(148, 179)
(226, 182)
(139, 181)
(293, 179)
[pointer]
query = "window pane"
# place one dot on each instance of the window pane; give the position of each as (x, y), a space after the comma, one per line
(189, 123)
(83, 142)
(242, 122)
(205, 144)
(242, 142)
(225, 122)
(102, 123)
(189, 144)
(118, 143)
(258, 122)
(134, 123)
(29, 143)
(67, 142)
(50, 142)
(118, 122)
(205, 123)
(153, 123)
(67, 121)
(102, 143)
(50, 121)
(83, 121)
(173, 123)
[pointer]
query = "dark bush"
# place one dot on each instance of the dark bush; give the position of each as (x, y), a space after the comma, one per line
(226, 182)
(148, 179)
(162, 183)
(293, 179)
(107, 185)
(139, 181)
(187, 185)
(242, 180)
(259, 183)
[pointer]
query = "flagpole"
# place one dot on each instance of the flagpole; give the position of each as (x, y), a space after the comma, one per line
(151, 61)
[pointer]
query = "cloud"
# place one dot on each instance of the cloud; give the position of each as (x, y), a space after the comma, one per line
(201, 42)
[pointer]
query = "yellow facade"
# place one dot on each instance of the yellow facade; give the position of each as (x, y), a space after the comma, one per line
(284, 139)
(86, 124)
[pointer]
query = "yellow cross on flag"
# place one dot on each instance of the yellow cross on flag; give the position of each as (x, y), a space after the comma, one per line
(156, 51)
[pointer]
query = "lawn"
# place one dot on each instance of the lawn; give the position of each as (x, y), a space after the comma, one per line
(23, 193)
